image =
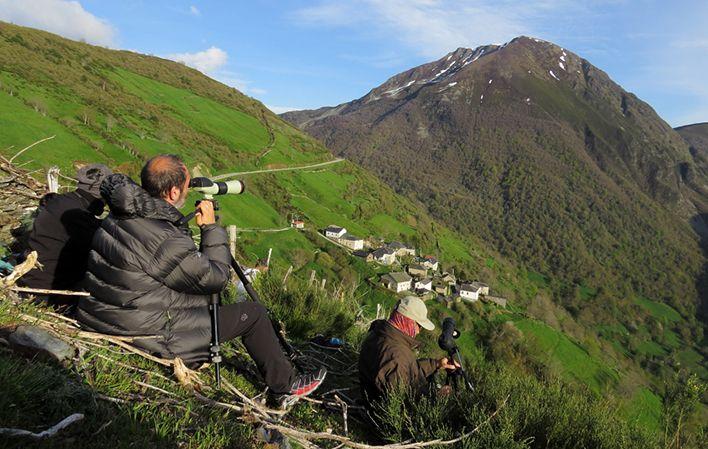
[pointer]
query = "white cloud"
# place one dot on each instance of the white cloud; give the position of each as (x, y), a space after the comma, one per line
(194, 11)
(432, 27)
(281, 109)
(205, 61)
(64, 17)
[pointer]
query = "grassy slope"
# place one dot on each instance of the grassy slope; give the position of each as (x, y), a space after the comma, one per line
(219, 130)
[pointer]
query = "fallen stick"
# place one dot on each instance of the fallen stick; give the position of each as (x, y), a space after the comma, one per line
(30, 146)
(44, 291)
(299, 434)
(19, 270)
(66, 422)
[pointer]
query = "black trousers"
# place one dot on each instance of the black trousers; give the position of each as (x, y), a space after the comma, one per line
(250, 321)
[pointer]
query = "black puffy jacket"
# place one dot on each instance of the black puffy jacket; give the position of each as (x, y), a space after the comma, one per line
(146, 276)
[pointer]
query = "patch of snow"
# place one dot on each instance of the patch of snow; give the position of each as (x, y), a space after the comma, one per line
(452, 84)
(553, 74)
(528, 100)
(395, 90)
(476, 57)
(445, 69)
(560, 64)
(490, 82)
(562, 58)
(481, 98)
(448, 58)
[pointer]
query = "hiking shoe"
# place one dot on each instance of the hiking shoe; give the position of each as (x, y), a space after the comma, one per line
(305, 384)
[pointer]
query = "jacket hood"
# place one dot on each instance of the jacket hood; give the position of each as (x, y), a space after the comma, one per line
(126, 199)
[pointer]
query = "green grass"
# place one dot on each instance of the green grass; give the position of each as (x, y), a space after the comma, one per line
(567, 356)
(240, 131)
(649, 347)
(659, 310)
(645, 408)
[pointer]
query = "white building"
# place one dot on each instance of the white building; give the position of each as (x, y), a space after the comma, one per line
(352, 242)
(424, 284)
(335, 232)
(384, 256)
(470, 292)
(397, 281)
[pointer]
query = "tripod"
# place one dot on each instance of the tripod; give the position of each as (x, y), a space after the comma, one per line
(454, 377)
(215, 303)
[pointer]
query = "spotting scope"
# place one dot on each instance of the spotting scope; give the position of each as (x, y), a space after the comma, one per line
(210, 188)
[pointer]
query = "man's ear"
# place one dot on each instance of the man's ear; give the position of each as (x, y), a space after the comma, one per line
(174, 195)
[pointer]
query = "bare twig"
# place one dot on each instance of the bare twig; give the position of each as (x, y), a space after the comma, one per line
(299, 434)
(28, 147)
(44, 291)
(66, 422)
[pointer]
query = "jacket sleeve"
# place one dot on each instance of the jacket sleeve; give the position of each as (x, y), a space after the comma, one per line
(427, 367)
(201, 272)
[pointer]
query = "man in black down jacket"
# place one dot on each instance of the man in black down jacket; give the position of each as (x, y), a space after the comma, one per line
(146, 277)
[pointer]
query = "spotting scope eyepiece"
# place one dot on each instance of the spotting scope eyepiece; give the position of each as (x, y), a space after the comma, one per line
(209, 187)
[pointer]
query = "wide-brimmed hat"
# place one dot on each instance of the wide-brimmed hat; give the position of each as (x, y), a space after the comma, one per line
(414, 308)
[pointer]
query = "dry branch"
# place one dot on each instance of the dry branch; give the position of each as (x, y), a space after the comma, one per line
(44, 291)
(19, 270)
(66, 422)
(30, 146)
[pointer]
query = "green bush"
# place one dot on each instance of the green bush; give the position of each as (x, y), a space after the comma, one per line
(543, 413)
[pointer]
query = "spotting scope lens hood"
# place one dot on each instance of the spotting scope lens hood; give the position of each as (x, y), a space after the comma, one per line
(449, 333)
(209, 187)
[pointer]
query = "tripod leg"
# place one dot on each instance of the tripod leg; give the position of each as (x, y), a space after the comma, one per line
(215, 348)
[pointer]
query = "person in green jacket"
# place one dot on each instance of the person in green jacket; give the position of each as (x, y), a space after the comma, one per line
(387, 359)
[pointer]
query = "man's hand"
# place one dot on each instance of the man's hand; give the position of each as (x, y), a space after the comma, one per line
(445, 363)
(205, 213)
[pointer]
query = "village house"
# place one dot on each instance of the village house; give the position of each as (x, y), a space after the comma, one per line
(430, 262)
(352, 241)
(440, 287)
(470, 292)
(384, 256)
(445, 300)
(334, 232)
(397, 281)
(424, 284)
(402, 249)
(364, 254)
(417, 271)
(449, 278)
(483, 288)
(297, 224)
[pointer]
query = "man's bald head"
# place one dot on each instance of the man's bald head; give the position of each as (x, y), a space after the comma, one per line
(163, 173)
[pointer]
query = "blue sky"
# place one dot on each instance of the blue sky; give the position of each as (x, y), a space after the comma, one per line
(298, 54)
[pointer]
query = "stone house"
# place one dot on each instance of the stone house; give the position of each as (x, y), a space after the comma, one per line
(402, 249)
(351, 241)
(384, 256)
(397, 281)
(418, 271)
